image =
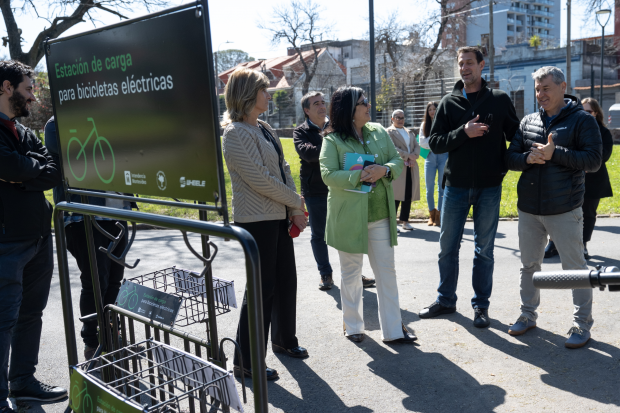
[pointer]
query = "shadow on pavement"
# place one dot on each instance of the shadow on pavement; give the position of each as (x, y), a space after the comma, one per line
(424, 378)
(590, 372)
(613, 230)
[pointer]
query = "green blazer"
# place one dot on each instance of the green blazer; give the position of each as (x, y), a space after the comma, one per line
(347, 212)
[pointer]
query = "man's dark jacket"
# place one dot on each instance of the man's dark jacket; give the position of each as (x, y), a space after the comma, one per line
(557, 186)
(25, 214)
(597, 183)
(308, 141)
(473, 162)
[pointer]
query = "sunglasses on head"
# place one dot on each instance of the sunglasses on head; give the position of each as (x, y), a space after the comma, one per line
(363, 102)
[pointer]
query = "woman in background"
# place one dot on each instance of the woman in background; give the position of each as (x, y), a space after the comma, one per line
(407, 186)
(434, 165)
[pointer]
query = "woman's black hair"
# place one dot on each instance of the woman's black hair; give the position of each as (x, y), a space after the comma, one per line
(341, 111)
(428, 122)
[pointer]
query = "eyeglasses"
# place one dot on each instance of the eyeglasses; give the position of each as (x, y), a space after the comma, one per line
(363, 102)
(591, 112)
(399, 117)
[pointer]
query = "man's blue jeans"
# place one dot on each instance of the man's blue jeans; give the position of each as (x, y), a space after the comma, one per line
(456, 204)
(25, 276)
(317, 209)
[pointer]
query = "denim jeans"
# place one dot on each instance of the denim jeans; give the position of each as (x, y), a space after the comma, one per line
(317, 209)
(434, 165)
(25, 276)
(456, 204)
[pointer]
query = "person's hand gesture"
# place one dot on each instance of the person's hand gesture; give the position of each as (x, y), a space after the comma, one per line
(545, 150)
(474, 129)
(300, 221)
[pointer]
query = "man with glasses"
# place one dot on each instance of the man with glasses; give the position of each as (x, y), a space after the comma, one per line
(308, 142)
(472, 125)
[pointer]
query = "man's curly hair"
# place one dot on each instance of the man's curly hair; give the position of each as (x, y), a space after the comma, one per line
(14, 72)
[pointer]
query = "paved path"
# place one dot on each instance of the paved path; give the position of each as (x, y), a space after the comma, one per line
(453, 367)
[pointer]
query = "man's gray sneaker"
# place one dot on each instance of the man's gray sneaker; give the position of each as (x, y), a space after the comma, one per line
(522, 325)
(577, 338)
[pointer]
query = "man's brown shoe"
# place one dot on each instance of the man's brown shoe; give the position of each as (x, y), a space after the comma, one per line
(431, 218)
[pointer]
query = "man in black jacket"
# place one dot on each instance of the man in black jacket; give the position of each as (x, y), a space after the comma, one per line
(553, 148)
(472, 125)
(26, 262)
(308, 141)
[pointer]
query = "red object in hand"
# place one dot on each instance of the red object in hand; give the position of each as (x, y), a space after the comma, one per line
(293, 230)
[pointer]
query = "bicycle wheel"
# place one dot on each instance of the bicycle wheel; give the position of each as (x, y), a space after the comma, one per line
(76, 162)
(122, 298)
(109, 161)
(88, 404)
(75, 397)
(133, 300)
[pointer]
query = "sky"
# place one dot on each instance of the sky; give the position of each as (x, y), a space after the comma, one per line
(236, 21)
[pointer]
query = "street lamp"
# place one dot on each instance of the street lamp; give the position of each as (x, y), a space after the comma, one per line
(217, 77)
(600, 15)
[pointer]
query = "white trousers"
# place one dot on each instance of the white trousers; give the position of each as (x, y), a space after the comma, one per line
(381, 256)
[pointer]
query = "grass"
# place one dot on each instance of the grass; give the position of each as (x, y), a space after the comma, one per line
(419, 209)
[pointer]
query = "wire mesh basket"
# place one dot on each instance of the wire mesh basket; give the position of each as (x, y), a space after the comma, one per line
(151, 377)
(192, 289)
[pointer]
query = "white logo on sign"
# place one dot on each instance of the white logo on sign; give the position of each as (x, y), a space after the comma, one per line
(162, 182)
(360, 159)
(127, 178)
(192, 182)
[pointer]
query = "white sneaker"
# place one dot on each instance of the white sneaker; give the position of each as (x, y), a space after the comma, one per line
(407, 226)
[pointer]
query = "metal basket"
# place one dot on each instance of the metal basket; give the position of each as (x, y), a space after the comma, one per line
(192, 289)
(152, 377)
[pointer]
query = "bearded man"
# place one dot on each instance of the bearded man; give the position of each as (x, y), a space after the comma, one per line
(26, 262)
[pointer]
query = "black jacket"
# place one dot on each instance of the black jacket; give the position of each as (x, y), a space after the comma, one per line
(25, 214)
(557, 186)
(473, 162)
(308, 141)
(597, 183)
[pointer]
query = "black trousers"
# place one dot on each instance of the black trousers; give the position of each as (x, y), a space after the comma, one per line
(589, 217)
(110, 273)
(406, 207)
(279, 287)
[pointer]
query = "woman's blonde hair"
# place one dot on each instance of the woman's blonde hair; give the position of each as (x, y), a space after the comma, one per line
(241, 92)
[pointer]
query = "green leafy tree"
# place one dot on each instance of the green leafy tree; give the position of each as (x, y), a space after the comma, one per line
(281, 99)
(227, 59)
(535, 41)
(386, 91)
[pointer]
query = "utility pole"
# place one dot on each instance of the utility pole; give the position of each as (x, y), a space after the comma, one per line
(568, 48)
(373, 100)
(491, 43)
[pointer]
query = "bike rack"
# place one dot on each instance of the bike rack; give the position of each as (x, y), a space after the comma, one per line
(205, 229)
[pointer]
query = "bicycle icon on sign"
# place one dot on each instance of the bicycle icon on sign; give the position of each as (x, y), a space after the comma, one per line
(104, 147)
(131, 295)
(76, 399)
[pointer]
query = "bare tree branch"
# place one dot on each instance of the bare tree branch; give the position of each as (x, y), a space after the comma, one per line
(62, 15)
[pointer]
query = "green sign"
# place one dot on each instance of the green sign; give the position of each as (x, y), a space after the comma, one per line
(147, 302)
(133, 108)
(88, 396)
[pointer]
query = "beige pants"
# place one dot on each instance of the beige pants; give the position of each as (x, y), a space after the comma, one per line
(381, 256)
(566, 231)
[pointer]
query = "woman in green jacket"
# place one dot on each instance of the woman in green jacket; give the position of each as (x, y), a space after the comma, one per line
(361, 223)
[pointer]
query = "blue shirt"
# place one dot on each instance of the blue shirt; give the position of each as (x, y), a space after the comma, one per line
(548, 118)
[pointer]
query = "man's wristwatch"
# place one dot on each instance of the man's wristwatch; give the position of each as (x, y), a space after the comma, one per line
(388, 173)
